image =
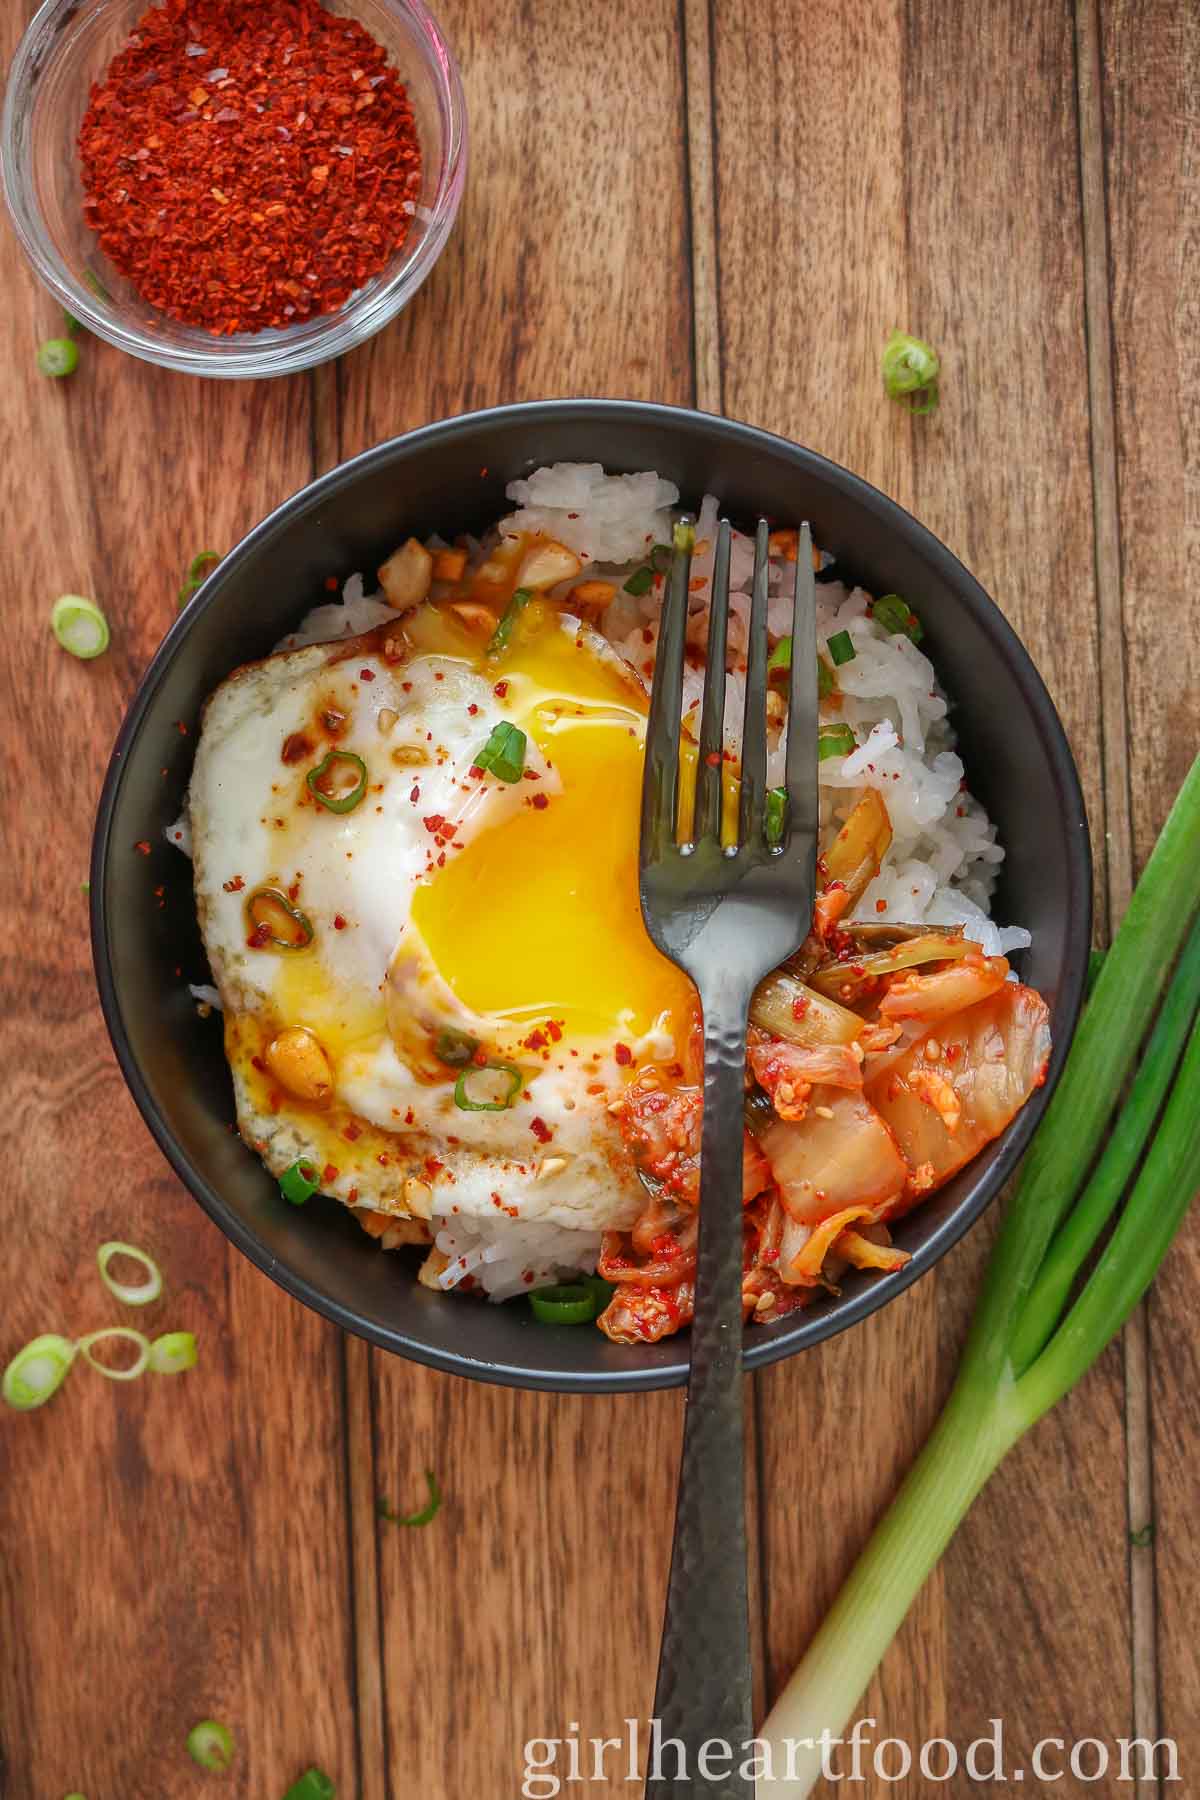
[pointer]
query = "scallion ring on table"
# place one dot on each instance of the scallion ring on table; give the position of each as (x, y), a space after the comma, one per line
(211, 1745)
(841, 648)
(424, 1516)
(195, 578)
(910, 372)
(58, 357)
(173, 1352)
(476, 1077)
(502, 636)
(80, 627)
(326, 782)
(300, 1181)
(314, 1784)
(135, 1369)
(563, 1303)
(835, 740)
(135, 1293)
(37, 1371)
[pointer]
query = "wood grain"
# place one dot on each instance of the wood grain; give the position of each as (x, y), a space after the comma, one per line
(929, 191)
(174, 1550)
(1151, 75)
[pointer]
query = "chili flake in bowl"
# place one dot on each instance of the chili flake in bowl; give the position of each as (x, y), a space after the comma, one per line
(234, 187)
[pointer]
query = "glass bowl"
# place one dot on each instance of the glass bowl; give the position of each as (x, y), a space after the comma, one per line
(67, 47)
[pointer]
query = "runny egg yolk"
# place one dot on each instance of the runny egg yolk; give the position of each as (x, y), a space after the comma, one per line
(539, 918)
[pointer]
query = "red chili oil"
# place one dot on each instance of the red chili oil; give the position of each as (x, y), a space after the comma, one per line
(249, 163)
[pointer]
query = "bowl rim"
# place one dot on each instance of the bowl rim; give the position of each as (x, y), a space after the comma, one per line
(267, 353)
(811, 1328)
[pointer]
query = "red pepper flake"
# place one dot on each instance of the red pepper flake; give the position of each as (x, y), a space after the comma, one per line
(296, 747)
(408, 1117)
(799, 1006)
(331, 584)
(143, 846)
(535, 1041)
(472, 709)
(500, 689)
(329, 1173)
(434, 823)
(555, 1030)
(407, 686)
(881, 906)
(540, 801)
(258, 937)
(433, 1166)
(480, 1058)
(352, 1132)
(540, 1130)
(256, 1062)
(624, 1055)
(352, 1196)
(339, 923)
(262, 199)
(366, 675)
(382, 1159)
(713, 759)
(181, 728)
(235, 886)
(416, 794)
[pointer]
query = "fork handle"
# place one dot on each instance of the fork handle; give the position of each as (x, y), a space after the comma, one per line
(704, 1683)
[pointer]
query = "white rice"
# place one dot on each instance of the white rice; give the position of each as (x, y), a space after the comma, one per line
(507, 1256)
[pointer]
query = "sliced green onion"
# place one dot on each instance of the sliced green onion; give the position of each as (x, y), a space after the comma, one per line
(841, 648)
(660, 558)
(513, 1081)
(314, 1784)
(910, 372)
(58, 357)
(139, 1293)
(135, 1370)
(601, 1291)
(76, 1797)
(195, 577)
(776, 812)
(36, 1372)
(454, 1048)
(274, 920)
(504, 753)
(174, 1352)
(72, 324)
(322, 782)
(896, 615)
(300, 1181)
(684, 536)
(211, 1745)
(780, 662)
(834, 740)
(640, 581)
(1143, 1537)
(502, 636)
(565, 1303)
(426, 1514)
(80, 627)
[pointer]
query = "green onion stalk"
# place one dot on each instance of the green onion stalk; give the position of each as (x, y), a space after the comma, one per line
(1029, 1342)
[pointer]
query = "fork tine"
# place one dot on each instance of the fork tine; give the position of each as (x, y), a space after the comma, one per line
(754, 721)
(802, 719)
(712, 716)
(660, 785)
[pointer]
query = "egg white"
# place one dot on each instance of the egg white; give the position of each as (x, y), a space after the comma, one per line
(394, 1140)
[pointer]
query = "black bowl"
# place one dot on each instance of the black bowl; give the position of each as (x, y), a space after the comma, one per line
(452, 477)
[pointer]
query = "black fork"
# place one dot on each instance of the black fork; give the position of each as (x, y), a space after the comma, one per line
(727, 916)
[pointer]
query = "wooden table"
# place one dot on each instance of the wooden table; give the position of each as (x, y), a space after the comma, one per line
(720, 205)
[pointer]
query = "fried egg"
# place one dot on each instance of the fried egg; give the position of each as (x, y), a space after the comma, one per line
(440, 912)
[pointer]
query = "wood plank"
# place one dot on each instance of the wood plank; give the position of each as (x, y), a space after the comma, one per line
(1151, 74)
(932, 195)
(536, 1600)
(176, 1549)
